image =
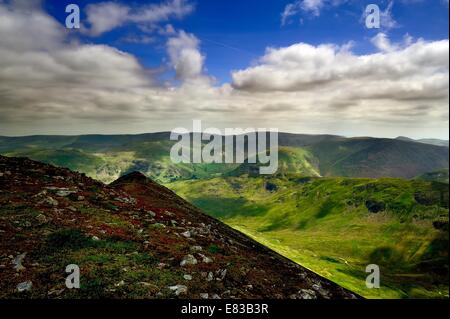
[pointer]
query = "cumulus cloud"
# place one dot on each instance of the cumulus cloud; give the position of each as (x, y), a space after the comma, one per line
(303, 67)
(185, 56)
(106, 16)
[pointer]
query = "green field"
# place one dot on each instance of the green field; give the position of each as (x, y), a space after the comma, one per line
(337, 226)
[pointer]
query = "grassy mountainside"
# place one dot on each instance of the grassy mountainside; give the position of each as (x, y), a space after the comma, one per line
(437, 176)
(369, 157)
(338, 226)
(107, 157)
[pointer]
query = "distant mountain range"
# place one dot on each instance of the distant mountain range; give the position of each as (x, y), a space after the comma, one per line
(107, 157)
(432, 141)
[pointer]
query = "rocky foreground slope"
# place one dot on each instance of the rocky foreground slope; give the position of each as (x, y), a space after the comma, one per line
(131, 239)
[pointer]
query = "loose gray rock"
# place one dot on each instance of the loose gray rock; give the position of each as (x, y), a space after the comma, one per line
(196, 249)
(50, 201)
(24, 286)
(187, 234)
(188, 260)
(205, 259)
(179, 289)
(17, 262)
(307, 294)
(187, 277)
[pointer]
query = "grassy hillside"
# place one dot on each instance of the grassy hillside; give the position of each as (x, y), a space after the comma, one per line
(437, 176)
(369, 157)
(337, 226)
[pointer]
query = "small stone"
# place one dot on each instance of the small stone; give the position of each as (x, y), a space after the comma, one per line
(64, 193)
(196, 249)
(179, 289)
(187, 277)
(204, 295)
(50, 201)
(206, 260)
(188, 260)
(221, 273)
(187, 234)
(161, 265)
(24, 286)
(210, 276)
(120, 283)
(307, 294)
(72, 209)
(95, 238)
(17, 262)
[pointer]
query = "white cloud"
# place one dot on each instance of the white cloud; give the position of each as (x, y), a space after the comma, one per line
(106, 16)
(382, 43)
(387, 20)
(309, 7)
(185, 56)
(292, 9)
(302, 66)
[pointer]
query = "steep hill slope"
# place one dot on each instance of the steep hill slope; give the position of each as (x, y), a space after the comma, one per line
(338, 226)
(370, 157)
(132, 239)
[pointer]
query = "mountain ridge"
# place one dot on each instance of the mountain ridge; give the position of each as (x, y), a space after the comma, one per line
(107, 157)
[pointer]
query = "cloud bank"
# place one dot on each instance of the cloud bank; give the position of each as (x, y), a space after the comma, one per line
(52, 84)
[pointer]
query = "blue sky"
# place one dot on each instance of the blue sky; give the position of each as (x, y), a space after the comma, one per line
(300, 66)
(234, 34)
